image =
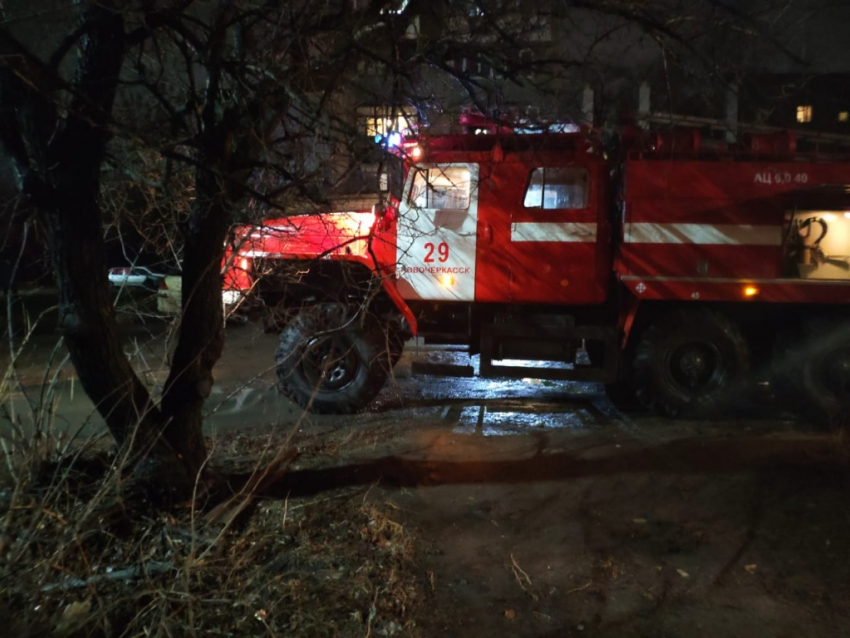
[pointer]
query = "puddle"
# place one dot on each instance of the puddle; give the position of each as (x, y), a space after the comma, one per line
(497, 420)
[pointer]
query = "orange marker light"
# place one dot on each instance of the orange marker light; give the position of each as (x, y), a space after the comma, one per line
(416, 152)
(447, 280)
(751, 291)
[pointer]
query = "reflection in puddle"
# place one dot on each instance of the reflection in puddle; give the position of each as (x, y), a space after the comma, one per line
(484, 420)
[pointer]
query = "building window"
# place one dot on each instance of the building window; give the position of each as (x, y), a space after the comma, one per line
(478, 68)
(371, 66)
(557, 187)
(526, 62)
(472, 68)
(539, 28)
(844, 116)
(380, 121)
(374, 177)
(804, 113)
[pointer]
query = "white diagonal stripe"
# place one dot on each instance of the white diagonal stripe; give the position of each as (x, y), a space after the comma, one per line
(714, 234)
(553, 231)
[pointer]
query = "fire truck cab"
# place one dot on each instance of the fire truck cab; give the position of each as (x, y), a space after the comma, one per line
(682, 268)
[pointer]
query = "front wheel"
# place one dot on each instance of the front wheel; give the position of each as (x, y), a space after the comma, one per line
(690, 363)
(328, 362)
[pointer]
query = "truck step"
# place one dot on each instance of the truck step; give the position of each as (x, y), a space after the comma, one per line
(551, 343)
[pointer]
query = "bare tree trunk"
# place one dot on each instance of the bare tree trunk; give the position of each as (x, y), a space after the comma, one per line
(59, 158)
(202, 326)
(201, 339)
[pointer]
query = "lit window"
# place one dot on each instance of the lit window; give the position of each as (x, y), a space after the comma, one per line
(804, 113)
(844, 116)
(557, 187)
(441, 188)
(383, 120)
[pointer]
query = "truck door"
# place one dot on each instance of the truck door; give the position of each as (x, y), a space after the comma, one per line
(555, 237)
(438, 218)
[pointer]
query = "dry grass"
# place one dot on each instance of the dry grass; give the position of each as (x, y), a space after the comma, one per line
(80, 555)
(79, 559)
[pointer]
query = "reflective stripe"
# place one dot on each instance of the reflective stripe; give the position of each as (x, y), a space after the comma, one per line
(553, 231)
(717, 234)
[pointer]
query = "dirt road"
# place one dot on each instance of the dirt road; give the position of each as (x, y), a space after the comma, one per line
(540, 510)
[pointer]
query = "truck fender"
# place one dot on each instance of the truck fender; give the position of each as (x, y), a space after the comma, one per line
(400, 303)
(388, 284)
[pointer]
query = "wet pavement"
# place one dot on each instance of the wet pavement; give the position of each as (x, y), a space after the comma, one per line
(42, 388)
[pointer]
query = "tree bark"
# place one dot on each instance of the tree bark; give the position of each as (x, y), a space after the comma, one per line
(201, 339)
(59, 159)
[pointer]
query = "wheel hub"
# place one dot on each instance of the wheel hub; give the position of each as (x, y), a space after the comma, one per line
(695, 366)
(336, 373)
(330, 363)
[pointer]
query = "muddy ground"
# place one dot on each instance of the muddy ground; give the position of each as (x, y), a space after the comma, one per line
(547, 513)
(538, 509)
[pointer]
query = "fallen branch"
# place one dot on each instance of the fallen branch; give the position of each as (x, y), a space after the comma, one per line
(130, 573)
(231, 508)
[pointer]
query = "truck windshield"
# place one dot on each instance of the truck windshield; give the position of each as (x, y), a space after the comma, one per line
(446, 187)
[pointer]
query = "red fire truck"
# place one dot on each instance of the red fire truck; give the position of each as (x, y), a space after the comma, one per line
(682, 267)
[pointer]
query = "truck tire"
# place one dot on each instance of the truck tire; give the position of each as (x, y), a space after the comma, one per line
(813, 378)
(690, 364)
(621, 392)
(330, 363)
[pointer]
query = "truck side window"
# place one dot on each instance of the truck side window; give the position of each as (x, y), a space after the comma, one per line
(557, 187)
(444, 187)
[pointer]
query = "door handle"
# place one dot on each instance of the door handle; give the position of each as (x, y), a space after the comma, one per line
(488, 233)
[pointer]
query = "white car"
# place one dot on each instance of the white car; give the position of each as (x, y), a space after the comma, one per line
(135, 277)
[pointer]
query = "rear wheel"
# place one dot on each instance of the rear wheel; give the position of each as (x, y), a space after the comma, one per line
(814, 377)
(330, 363)
(690, 363)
